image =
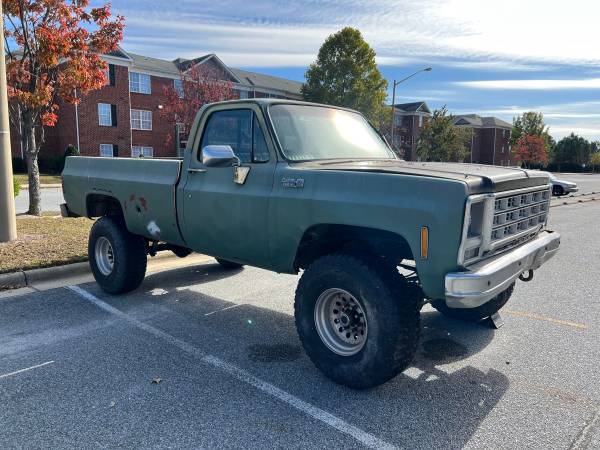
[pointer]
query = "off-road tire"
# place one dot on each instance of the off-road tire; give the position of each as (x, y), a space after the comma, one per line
(229, 265)
(476, 314)
(392, 309)
(129, 252)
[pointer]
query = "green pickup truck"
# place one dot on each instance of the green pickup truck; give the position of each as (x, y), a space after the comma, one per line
(296, 187)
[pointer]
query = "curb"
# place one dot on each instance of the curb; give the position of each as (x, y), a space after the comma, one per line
(43, 186)
(24, 278)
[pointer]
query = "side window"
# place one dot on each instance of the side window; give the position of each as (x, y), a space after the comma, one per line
(240, 130)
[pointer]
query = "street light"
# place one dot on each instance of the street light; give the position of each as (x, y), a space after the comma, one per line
(396, 83)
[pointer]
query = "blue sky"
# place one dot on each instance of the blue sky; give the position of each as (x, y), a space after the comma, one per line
(488, 57)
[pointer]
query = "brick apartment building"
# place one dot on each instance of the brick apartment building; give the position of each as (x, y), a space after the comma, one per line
(123, 117)
(490, 143)
(410, 118)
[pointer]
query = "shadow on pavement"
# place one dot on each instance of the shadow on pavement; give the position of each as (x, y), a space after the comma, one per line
(440, 401)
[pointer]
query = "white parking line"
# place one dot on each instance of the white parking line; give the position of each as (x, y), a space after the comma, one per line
(25, 370)
(222, 309)
(243, 375)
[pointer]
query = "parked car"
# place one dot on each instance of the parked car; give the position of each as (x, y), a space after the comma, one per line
(562, 187)
(292, 186)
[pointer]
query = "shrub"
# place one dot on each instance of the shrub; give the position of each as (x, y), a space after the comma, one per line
(16, 187)
(71, 150)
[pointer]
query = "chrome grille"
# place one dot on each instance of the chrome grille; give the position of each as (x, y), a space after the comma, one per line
(514, 215)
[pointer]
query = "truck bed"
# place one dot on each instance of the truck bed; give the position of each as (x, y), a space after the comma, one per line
(144, 188)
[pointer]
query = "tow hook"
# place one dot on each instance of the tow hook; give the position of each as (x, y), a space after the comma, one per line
(526, 276)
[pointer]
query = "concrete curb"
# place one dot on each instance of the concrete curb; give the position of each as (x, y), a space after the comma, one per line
(24, 278)
(43, 186)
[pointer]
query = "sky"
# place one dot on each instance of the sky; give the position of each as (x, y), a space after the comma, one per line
(497, 58)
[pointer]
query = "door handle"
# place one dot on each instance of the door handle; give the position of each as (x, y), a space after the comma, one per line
(196, 170)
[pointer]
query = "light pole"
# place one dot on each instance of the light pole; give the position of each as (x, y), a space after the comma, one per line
(396, 83)
(8, 224)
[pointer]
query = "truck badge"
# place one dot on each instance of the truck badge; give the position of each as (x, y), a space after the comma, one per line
(293, 182)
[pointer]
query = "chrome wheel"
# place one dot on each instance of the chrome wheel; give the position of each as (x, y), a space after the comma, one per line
(104, 255)
(341, 322)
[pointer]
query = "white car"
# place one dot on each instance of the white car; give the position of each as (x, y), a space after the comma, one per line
(562, 187)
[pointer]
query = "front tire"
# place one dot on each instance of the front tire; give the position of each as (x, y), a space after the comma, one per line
(377, 309)
(484, 311)
(558, 191)
(117, 257)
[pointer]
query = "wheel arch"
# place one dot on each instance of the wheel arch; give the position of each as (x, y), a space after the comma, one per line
(98, 205)
(323, 239)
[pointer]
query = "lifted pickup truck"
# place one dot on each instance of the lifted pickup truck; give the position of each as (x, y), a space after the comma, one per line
(291, 186)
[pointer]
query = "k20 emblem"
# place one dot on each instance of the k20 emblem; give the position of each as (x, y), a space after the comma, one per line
(292, 182)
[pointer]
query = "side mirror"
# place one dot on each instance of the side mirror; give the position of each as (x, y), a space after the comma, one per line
(219, 156)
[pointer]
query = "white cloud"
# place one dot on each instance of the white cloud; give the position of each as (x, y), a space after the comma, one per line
(586, 83)
(473, 33)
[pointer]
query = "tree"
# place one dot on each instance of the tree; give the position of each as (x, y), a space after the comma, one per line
(345, 74)
(530, 150)
(572, 149)
(441, 140)
(198, 85)
(532, 124)
(57, 60)
(595, 160)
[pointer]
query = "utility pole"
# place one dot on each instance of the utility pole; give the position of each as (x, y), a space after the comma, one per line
(396, 83)
(8, 223)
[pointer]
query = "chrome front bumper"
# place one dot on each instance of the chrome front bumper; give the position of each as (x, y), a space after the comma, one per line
(484, 280)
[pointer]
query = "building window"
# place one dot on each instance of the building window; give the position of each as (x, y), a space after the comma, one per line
(243, 94)
(141, 120)
(107, 115)
(107, 150)
(109, 74)
(178, 86)
(139, 82)
(420, 121)
(137, 151)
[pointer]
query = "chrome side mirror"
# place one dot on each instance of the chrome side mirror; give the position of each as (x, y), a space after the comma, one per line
(219, 156)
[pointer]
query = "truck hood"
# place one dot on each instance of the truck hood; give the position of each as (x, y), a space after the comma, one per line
(479, 178)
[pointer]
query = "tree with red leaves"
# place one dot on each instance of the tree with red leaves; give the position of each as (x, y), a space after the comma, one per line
(530, 150)
(53, 50)
(198, 86)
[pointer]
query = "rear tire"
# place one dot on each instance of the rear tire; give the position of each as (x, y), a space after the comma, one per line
(374, 291)
(229, 265)
(476, 314)
(558, 191)
(117, 257)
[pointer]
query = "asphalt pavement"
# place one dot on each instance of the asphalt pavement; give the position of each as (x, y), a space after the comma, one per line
(205, 358)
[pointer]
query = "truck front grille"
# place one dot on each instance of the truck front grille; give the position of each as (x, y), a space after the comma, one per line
(516, 214)
(497, 222)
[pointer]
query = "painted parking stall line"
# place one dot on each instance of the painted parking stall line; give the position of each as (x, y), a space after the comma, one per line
(244, 376)
(27, 369)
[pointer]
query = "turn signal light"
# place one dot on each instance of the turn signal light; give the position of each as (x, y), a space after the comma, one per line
(424, 242)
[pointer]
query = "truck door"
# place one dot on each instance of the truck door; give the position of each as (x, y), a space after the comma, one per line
(223, 218)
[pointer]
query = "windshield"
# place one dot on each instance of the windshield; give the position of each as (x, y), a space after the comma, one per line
(315, 132)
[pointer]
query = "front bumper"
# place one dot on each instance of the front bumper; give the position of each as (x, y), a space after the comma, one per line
(484, 280)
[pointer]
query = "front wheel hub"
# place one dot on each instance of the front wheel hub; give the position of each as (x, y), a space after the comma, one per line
(340, 322)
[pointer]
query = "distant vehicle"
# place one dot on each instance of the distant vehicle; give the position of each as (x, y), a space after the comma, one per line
(562, 187)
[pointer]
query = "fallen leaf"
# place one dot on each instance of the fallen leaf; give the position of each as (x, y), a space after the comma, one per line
(113, 403)
(156, 380)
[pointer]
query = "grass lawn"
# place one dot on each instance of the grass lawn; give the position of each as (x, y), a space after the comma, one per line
(45, 242)
(44, 179)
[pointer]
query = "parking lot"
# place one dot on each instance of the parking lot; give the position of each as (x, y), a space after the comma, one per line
(201, 357)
